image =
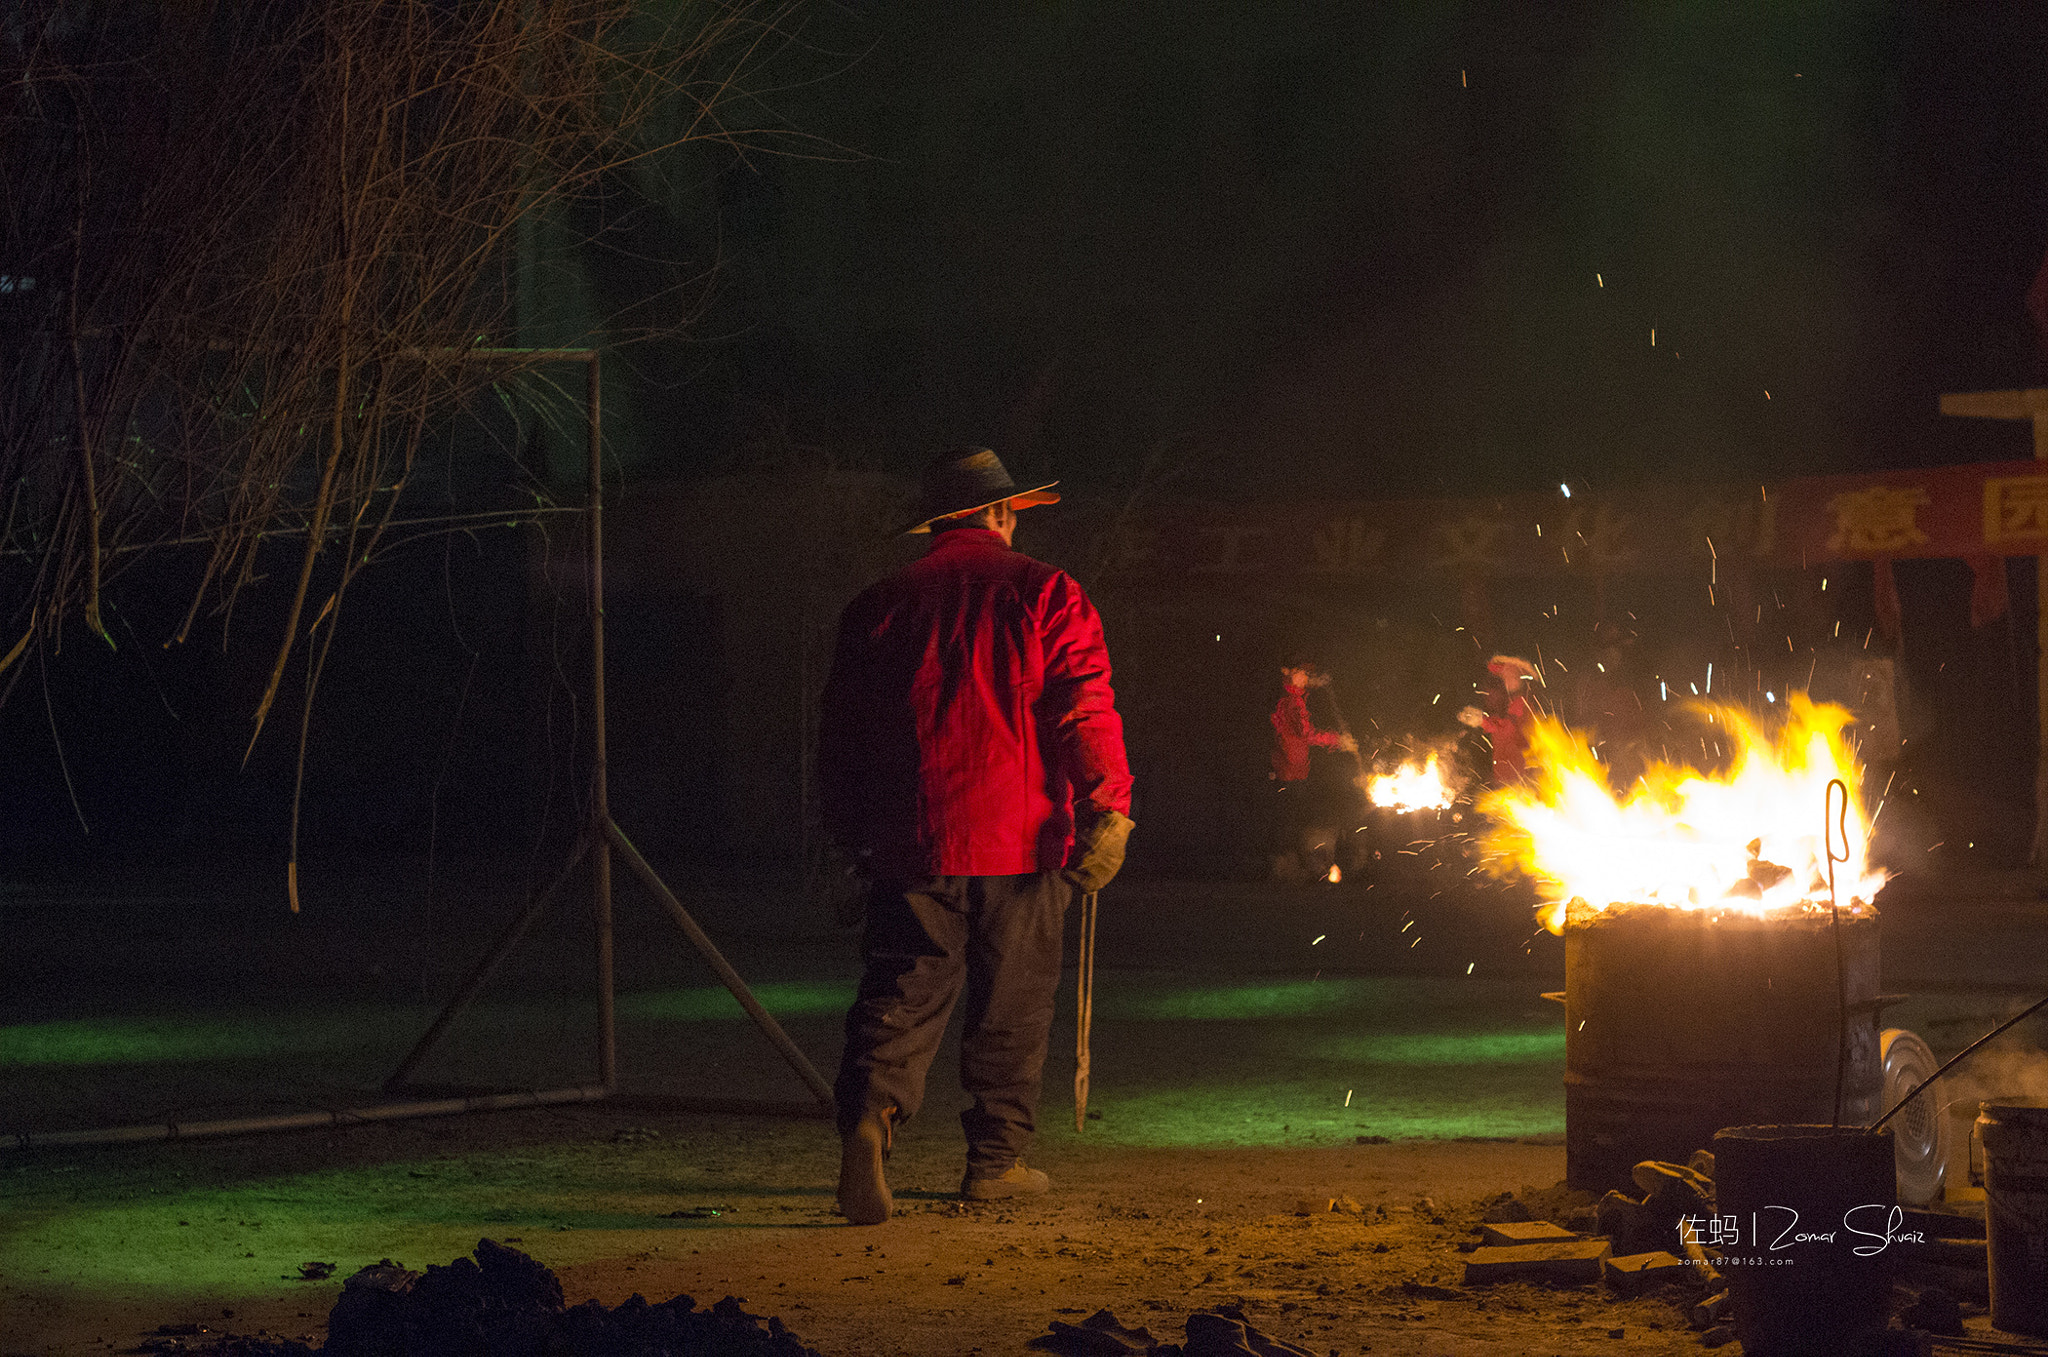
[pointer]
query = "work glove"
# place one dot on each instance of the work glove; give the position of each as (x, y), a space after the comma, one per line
(1098, 851)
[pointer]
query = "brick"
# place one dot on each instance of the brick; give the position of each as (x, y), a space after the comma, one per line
(1525, 1232)
(1568, 1263)
(1632, 1272)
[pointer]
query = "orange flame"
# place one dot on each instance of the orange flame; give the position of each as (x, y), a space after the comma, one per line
(1415, 785)
(1748, 838)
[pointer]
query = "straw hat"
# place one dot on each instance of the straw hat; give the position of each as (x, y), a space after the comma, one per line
(968, 480)
(1513, 664)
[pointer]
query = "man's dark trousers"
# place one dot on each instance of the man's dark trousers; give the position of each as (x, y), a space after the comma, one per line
(1001, 936)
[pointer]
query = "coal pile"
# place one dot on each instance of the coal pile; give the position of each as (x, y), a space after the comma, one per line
(504, 1304)
(1221, 1331)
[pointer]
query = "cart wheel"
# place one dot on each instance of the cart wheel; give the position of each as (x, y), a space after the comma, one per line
(1917, 1131)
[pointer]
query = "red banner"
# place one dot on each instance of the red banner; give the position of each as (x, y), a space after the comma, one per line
(1985, 509)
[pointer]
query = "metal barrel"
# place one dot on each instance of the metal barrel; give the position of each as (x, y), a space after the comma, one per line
(2015, 1136)
(1681, 1022)
(1808, 1269)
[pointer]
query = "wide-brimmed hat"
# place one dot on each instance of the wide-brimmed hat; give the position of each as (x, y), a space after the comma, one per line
(967, 480)
(1513, 664)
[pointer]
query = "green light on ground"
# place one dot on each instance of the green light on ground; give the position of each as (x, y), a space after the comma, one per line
(253, 1034)
(714, 1003)
(169, 1038)
(1322, 1061)
(1440, 1048)
(249, 1238)
(1226, 1003)
(1304, 1115)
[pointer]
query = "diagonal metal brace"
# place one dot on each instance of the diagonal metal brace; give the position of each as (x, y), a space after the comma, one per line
(798, 1061)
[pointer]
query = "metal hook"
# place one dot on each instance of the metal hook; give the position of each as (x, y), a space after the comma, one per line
(1836, 821)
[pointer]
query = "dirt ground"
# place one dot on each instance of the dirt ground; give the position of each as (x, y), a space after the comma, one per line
(1233, 1028)
(618, 1204)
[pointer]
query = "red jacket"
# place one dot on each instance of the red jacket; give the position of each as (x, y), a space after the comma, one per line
(1293, 733)
(1506, 724)
(968, 711)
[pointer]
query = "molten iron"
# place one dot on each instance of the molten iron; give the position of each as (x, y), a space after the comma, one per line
(1747, 837)
(1417, 784)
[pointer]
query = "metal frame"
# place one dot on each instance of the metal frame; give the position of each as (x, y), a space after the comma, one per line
(600, 836)
(598, 839)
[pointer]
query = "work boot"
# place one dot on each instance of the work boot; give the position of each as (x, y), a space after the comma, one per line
(863, 1192)
(1015, 1181)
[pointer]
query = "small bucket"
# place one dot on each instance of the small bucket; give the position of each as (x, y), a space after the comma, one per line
(2015, 1136)
(1808, 1208)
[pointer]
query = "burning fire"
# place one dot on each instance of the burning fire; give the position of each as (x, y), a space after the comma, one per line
(1415, 785)
(1749, 837)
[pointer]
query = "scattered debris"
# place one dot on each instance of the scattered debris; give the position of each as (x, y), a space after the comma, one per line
(1102, 1333)
(502, 1304)
(1505, 1210)
(1710, 1311)
(1560, 1263)
(1525, 1232)
(1635, 1272)
(315, 1272)
(1218, 1332)
(1937, 1312)
(1431, 1291)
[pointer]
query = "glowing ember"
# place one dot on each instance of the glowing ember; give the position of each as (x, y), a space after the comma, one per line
(1415, 785)
(1749, 837)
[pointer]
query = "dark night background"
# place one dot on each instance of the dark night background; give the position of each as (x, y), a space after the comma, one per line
(1212, 251)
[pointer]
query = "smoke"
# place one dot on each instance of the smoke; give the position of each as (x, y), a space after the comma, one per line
(2011, 1067)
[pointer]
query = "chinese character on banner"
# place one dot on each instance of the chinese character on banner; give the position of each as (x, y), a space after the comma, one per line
(2015, 509)
(1347, 545)
(1606, 541)
(1880, 519)
(1469, 544)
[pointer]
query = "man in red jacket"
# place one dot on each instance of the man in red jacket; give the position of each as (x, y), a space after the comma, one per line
(1304, 842)
(972, 762)
(1505, 716)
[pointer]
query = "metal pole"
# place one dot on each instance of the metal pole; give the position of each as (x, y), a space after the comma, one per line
(1084, 1011)
(798, 1061)
(299, 1121)
(600, 807)
(2037, 854)
(481, 973)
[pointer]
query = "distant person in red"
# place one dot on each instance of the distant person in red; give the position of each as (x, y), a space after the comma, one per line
(1301, 843)
(1505, 716)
